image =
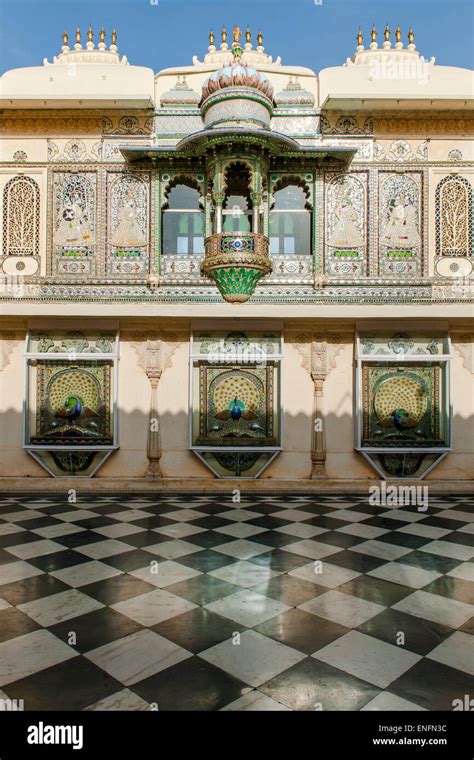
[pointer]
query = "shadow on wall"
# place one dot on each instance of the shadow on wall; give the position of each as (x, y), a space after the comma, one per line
(177, 461)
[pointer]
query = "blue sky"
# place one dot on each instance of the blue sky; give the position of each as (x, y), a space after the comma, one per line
(162, 33)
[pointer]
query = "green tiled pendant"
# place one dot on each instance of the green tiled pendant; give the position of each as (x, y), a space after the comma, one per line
(236, 262)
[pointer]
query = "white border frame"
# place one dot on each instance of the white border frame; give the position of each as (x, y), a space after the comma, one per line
(113, 357)
(437, 330)
(252, 327)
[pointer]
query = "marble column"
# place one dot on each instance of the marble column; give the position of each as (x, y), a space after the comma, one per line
(318, 376)
(153, 369)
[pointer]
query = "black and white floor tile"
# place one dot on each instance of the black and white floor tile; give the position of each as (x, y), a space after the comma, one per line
(196, 603)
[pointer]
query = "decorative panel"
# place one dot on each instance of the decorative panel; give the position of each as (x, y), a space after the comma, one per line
(74, 223)
(346, 224)
(236, 414)
(453, 207)
(402, 401)
(70, 400)
(21, 217)
(401, 405)
(128, 222)
(400, 225)
(236, 406)
(73, 403)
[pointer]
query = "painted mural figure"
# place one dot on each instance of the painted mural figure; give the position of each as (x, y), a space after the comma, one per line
(129, 232)
(74, 228)
(346, 232)
(401, 230)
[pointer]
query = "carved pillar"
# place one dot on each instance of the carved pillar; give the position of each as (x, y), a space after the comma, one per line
(153, 369)
(318, 376)
(256, 201)
(218, 201)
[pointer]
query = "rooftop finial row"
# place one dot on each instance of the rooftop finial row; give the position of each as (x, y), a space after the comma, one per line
(90, 40)
(387, 42)
(236, 33)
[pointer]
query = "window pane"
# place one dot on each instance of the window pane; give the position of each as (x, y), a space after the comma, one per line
(182, 232)
(290, 232)
(198, 244)
(183, 196)
(182, 245)
(289, 197)
(236, 222)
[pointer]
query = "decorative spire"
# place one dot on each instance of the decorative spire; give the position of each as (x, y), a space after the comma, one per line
(386, 33)
(224, 45)
(236, 46)
(247, 35)
(78, 36)
(260, 39)
(373, 34)
(398, 34)
(411, 36)
(90, 42)
(359, 38)
(65, 39)
(114, 37)
(211, 38)
(102, 34)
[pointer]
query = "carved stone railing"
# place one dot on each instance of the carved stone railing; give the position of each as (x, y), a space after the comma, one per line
(236, 261)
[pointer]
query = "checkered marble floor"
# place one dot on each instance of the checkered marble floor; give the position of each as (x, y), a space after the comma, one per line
(182, 602)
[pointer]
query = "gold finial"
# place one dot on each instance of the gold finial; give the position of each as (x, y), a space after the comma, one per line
(359, 38)
(65, 38)
(236, 32)
(247, 35)
(386, 33)
(211, 37)
(102, 34)
(373, 34)
(398, 34)
(411, 36)
(260, 39)
(89, 34)
(224, 34)
(114, 37)
(78, 36)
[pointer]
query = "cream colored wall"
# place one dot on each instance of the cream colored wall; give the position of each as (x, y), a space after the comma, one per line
(14, 460)
(459, 465)
(294, 462)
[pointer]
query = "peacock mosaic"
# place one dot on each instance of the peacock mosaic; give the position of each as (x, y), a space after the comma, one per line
(404, 416)
(236, 400)
(70, 418)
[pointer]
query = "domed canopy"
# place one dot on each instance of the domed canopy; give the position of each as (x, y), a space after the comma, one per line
(237, 75)
(180, 95)
(294, 96)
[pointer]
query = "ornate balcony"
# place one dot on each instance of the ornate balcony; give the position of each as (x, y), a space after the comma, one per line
(236, 261)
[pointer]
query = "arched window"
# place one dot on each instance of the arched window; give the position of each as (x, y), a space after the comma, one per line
(182, 219)
(21, 214)
(237, 208)
(453, 203)
(290, 218)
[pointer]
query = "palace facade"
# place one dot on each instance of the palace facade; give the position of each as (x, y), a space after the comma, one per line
(236, 269)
